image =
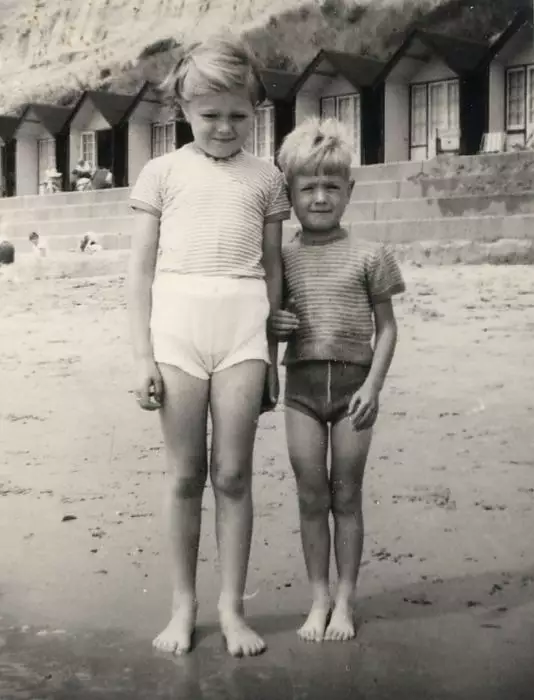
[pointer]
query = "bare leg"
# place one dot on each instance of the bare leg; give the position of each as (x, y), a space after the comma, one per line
(235, 404)
(183, 420)
(349, 455)
(307, 441)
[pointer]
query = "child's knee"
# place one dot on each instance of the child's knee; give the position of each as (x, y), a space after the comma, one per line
(314, 501)
(233, 485)
(346, 498)
(185, 487)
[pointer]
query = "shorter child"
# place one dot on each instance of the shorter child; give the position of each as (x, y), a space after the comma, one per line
(340, 289)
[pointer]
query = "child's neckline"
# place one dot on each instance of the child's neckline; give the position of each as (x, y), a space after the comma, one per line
(215, 159)
(323, 238)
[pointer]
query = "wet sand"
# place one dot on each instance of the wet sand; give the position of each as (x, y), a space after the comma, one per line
(447, 585)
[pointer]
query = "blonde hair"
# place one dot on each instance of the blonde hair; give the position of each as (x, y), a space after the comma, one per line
(220, 63)
(316, 146)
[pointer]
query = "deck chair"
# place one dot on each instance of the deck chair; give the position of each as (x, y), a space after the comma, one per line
(447, 142)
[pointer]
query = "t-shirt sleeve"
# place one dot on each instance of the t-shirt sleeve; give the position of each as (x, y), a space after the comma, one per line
(147, 194)
(278, 207)
(384, 276)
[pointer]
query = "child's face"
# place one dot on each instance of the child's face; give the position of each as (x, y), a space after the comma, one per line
(320, 200)
(220, 122)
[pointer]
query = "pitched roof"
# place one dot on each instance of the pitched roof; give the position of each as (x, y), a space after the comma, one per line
(360, 71)
(114, 107)
(8, 126)
(521, 19)
(278, 83)
(460, 55)
(52, 117)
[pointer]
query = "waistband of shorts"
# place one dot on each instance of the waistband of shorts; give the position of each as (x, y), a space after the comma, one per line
(207, 285)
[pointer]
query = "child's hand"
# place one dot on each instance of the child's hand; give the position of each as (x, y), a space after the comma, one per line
(282, 323)
(363, 408)
(150, 386)
(271, 390)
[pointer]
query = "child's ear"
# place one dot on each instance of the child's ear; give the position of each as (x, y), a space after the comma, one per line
(351, 187)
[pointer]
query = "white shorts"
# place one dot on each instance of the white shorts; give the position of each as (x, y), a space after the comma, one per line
(206, 324)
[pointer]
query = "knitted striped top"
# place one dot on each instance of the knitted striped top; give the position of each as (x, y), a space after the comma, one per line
(332, 286)
(212, 212)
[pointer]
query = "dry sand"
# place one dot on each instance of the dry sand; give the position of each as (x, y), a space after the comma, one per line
(447, 583)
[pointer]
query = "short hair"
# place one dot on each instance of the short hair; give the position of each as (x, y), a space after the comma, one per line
(220, 63)
(316, 146)
(33, 236)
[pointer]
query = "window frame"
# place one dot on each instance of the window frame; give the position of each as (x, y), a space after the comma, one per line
(356, 130)
(167, 137)
(92, 141)
(51, 162)
(520, 126)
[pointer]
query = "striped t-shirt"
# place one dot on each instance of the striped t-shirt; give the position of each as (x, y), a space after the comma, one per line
(332, 287)
(212, 212)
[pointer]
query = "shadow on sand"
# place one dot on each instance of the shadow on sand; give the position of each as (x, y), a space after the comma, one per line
(455, 640)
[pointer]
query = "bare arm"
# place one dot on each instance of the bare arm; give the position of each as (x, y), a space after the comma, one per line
(363, 407)
(386, 341)
(140, 278)
(272, 263)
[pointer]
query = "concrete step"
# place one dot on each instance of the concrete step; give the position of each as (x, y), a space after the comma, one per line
(114, 233)
(70, 243)
(426, 186)
(466, 228)
(444, 166)
(441, 207)
(37, 217)
(425, 204)
(420, 253)
(73, 229)
(119, 194)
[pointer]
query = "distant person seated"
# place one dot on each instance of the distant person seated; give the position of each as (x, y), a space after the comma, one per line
(89, 244)
(39, 244)
(52, 181)
(102, 179)
(82, 176)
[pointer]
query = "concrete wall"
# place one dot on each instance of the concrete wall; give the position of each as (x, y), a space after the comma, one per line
(306, 105)
(497, 96)
(523, 56)
(26, 166)
(139, 148)
(433, 70)
(163, 114)
(396, 122)
(337, 86)
(27, 173)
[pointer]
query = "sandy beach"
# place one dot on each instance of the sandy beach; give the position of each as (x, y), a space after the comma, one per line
(447, 585)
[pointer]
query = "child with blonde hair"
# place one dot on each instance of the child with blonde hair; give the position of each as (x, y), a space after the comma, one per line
(339, 289)
(205, 274)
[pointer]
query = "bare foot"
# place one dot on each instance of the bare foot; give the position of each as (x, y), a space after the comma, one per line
(240, 639)
(313, 629)
(341, 627)
(176, 638)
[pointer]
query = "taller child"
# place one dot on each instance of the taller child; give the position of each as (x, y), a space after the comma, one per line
(205, 274)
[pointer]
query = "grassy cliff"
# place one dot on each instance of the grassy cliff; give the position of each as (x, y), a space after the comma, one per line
(51, 49)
